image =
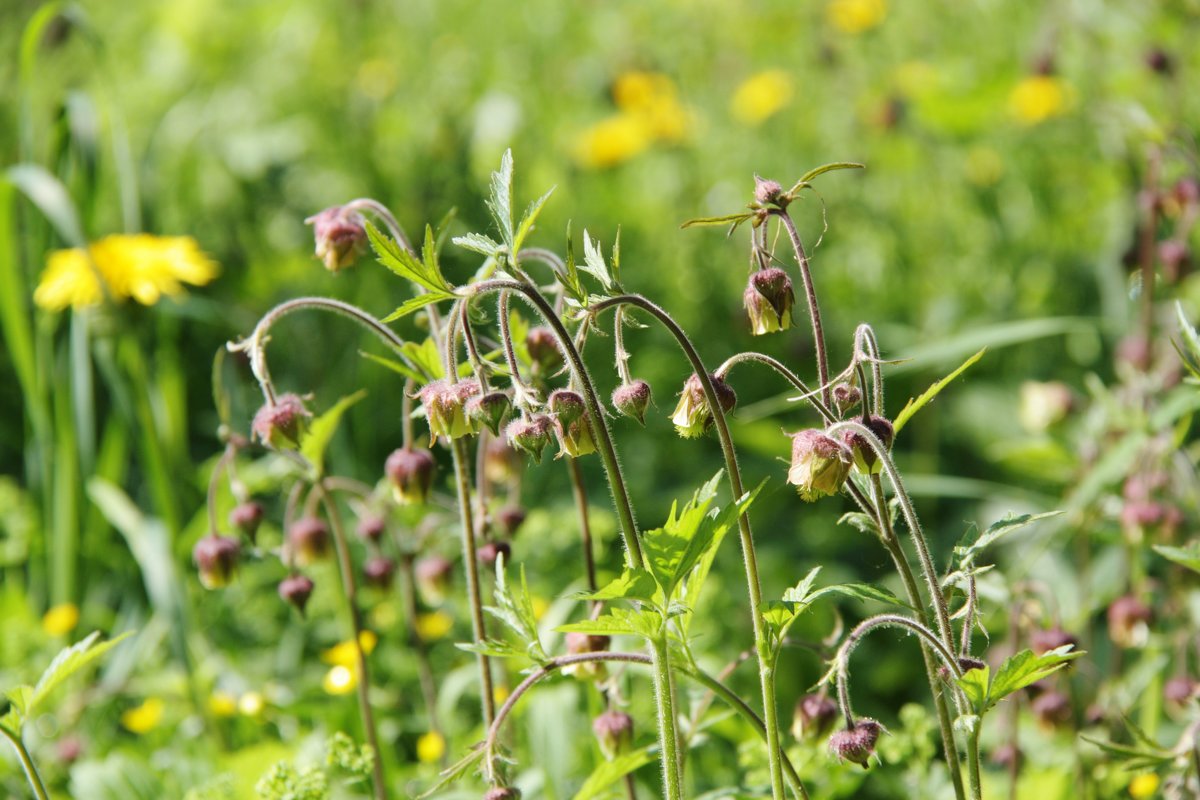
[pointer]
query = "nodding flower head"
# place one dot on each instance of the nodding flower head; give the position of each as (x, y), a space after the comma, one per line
(308, 539)
(216, 559)
(510, 519)
(372, 527)
(379, 571)
(1052, 709)
(768, 299)
(632, 399)
(502, 793)
(295, 591)
(692, 416)
(281, 424)
(767, 191)
(566, 406)
(614, 732)
(544, 355)
(340, 235)
(530, 434)
(820, 465)
(846, 396)
(489, 552)
(814, 716)
(865, 457)
(488, 411)
(580, 643)
(246, 517)
(444, 407)
(1043, 640)
(411, 473)
(1129, 622)
(575, 439)
(433, 578)
(856, 744)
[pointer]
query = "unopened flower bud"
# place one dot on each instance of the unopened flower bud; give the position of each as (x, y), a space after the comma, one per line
(1158, 61)
(281, 424)
(814, 716)
(692, 416)
(1052, 708)
(216, 559)
(543, 351)
(501, 463)
(614, 733)
(865, 457)
(768, 299)
(530, 434)
(444, 408)
(510, 518)
(566, 406)
(766, 191)
(433, 578)
(488, 411)
(378, 571)
(372, 527)
(246, 517)
(489, 552)
(340, 236)
(411, 473)
(820, 465)
(580, 643)
(308, 539)
(295, 591)
(846, 396)
(1044, 640)
(1179, 690)
(502, 793)
(1129, 622)
(632, 399)
(856, 744)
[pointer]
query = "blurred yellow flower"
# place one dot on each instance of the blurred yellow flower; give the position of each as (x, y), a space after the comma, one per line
(61, 619)
(612, 141)
(1038, 98)
(499, 694)
(138, 266)
(761, 96)
(856, 16)
(430, 747)
(222, 704)
(540, 606)
(345, 654)
(638, 91)
(340, 680)
(1143, 786)
(649, 112)
(144, 718)
(433, 625)
(251, 704)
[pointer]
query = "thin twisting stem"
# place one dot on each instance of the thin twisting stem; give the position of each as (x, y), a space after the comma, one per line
(789, 376)
(814, 311)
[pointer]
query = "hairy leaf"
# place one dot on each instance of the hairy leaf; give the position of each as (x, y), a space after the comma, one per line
(633, 584)
(609, 772)
(915, 405)
(527, 221)
(997, 530)
(26, 699)
(617, 622)
(807, 177)
(985, 690)
(725, 219)
(500, 203)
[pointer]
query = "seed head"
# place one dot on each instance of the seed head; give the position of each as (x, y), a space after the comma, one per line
(856, 744)
(340, 237)
(814, 716)
(768, 300)
(281, 424)
(216, 559)
(632, 399)
(820, 465)
(411, 473)
(308, 539)
(614, 732)
(692, 415)
(530, 434)
(295, 591)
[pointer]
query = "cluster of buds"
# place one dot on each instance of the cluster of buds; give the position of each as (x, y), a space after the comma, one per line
(411, 474)
(856, 744)
(281, 424)
(768, 300)
(572, 426)
(340, 235)
(692, 415)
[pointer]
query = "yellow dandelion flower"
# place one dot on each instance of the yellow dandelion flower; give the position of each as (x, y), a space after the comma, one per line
(340, 680)
(1143, 786)
(138, 266)
(345, 654)
(1037, 98)
(612, 141)
(499, 694)
(144, 718)
(638, 91)
(222, 704)
(431, 747)
(433, 625)
(761, 96)
(61, 619)
(251, 704)
(856, 16)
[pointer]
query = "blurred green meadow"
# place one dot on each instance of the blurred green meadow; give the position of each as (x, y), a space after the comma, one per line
(1006, 147)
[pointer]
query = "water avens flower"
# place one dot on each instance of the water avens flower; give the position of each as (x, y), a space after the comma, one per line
(530, 434)
(490, 551)
(502, 793)
(856, 744)
(566, 406)
(372, 527)
(542, 347)
(411, 472)
(216, 560)
(246, 517)
(488, 411)
(814, 716)
(820, 465)
(295, 591)
(510, 519)
(379, 571)
(308, 540)
(614, 733)
(865, 457)
(433, 578)
(134, 266)
(281, 424)
(632, 399)
(692, 416)
(444, 407)
(579, 643)
(340, 236)
(1129, 622)
(768, 300)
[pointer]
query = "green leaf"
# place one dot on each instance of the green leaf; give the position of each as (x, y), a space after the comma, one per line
(802, 596)
(633, 584)
(395, 366)
(1132, 758)
(609, 772)
(1188, 556)
(515, 610)
(26, 700)
(800, 592)
(491, 647)
(594, 264)
(1017, 672)
(405, 264)
(320, 430)
(501, 201)
(1189, 351)
(864, 523)
(726, 219)
(416, 304)
(999, 529)
(673, 549)
(618, 622)
(807, 177)
(50, 196)
(975, 684)
(455, 772)
(913, 406)
(426, 358)
(478, 243)
(530, 216)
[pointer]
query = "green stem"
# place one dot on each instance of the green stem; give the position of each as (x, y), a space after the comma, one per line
(664, 695)
(973, 772)
(458, 450)
(814, 311)
(31, 771)
(762, 648)
(350, 590)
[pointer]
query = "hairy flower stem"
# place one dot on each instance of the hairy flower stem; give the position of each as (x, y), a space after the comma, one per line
(762, 647)
(31, 770)
(973, 770)
(668, 736)
(346, 571)
(458, 450)
(585, 525)
(788, 375)
(814, 311)
(408, 596)
(596, 411)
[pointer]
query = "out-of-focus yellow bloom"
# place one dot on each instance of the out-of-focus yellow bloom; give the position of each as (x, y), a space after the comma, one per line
(540, 606)
(430, 747)
(1038, 98)
(499, 694)
(222, 704)
(433, 625)
(856, 16)
(1143, 786)
(612, 141)
(251, 704)
(345, 654)
(61, 619)
(144, 718)
(649, 112)
(638, 91)
(340, 680)
(761, 96)
(385, 615)
(138, 266)
(984, 166)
